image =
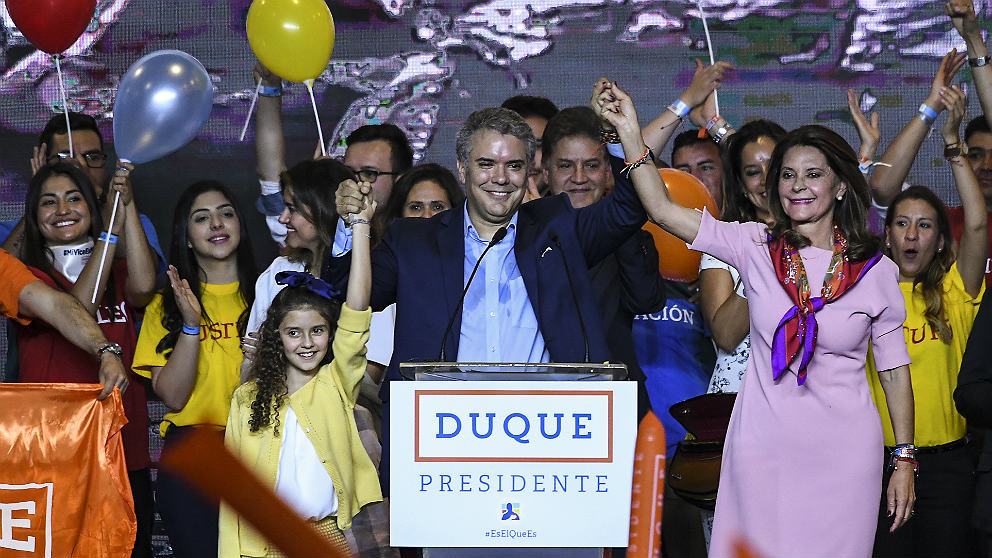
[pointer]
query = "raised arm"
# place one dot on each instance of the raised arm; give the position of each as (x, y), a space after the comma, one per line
(270, 143)
(360, 275)
(174, 382)
(962, 14)
(141, 259)
(617, 109)
(868, 129)
(705, 80)
(82, 289)
(68, 317)
(270, 150)
(886, 181)
(973, 248)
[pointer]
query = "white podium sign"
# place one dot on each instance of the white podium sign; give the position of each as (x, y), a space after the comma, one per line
(526, 464)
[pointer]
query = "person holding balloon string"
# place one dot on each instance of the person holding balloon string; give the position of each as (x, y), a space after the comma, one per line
(801, 407)
(62, 219)
(190, 345)
(90, 157)
(377, 154)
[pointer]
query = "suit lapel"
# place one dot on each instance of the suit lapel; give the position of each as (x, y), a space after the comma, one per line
(451, 245)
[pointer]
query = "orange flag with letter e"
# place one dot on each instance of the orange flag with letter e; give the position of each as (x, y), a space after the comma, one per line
(64, 489)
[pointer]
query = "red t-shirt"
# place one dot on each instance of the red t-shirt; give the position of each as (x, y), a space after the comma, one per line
(47, 357)
(956, 215)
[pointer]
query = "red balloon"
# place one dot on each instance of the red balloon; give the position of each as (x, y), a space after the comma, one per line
(675, 260)
(51, 25)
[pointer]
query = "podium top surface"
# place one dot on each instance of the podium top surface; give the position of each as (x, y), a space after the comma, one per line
(512, 371)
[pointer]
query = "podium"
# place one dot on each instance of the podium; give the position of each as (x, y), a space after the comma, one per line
(511, 460)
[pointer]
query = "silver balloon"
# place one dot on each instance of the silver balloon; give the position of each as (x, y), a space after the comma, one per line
(162, 102)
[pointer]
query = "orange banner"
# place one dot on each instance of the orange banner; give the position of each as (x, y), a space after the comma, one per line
(63, 483)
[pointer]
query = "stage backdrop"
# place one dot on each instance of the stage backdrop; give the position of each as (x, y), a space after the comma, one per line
(426, 65)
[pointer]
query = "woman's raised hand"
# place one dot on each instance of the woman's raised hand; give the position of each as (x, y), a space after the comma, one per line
(705, 81)
(949, 66)
(617, 109)
(189, 306)
(868, 129)
(956, 101)
(368, 208)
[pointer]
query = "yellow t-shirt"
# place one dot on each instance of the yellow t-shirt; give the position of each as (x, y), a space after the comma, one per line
(218, 370)
(935, 364)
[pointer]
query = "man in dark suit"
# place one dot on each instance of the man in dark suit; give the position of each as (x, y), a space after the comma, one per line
(520, 306)
(973, 398)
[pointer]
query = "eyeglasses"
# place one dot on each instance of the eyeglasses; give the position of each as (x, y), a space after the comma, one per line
(371, 175)
(94, 159)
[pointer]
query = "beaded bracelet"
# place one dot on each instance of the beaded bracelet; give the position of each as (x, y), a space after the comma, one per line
(190, 330)
(609, 136)
(631, 165)
(359, 221)
(927, 114)
(108, 238)
(896, 460)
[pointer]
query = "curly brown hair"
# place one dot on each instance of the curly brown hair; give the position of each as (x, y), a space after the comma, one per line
(269, 368)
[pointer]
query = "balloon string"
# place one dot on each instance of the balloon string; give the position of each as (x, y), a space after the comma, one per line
(320, 133)
(65, 104)
(106, 245)
(709, 46)
(244, 129)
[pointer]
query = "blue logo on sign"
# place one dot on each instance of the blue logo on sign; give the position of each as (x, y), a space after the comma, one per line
(511, 512)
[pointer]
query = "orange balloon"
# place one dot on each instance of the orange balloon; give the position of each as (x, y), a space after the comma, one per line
(675, 260)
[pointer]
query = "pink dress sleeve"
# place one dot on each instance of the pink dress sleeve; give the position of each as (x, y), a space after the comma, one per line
(888, 341)
(729, 242)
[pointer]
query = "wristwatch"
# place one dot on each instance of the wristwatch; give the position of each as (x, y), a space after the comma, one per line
(979, 62)
(111, 347)
(952, 150)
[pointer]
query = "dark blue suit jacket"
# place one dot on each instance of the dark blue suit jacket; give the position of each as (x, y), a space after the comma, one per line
(420, 266)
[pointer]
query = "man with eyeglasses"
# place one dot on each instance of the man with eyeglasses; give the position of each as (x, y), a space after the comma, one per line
(376, 153)
(88, 156)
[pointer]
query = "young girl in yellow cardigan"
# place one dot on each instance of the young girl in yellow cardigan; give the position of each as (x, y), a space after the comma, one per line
(293, 421)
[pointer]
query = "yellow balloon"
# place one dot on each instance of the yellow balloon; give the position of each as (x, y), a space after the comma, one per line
(292, 38)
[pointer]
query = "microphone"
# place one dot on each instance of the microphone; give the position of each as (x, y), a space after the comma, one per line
(499, 235)
(575, 297)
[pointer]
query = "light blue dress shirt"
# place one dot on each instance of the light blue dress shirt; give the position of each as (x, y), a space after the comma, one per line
(498, 321)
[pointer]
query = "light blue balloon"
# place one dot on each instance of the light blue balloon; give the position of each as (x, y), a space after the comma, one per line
(162, 102)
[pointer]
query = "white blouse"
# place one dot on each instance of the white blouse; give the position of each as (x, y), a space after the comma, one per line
(302, 481)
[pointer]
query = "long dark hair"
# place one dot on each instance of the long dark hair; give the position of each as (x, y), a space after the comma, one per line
(36, 252)
(850, 214)
(182, 256)
(427, 171)
(932, 277)
(311, 185)
(269, 368)
(736, 205)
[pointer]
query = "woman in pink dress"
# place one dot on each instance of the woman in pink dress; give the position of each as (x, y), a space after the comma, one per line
(802, 462)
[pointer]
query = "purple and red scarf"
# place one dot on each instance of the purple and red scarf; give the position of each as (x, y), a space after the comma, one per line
(797, 328)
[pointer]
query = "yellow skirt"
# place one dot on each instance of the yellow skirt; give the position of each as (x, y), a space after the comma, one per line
(327, 528)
